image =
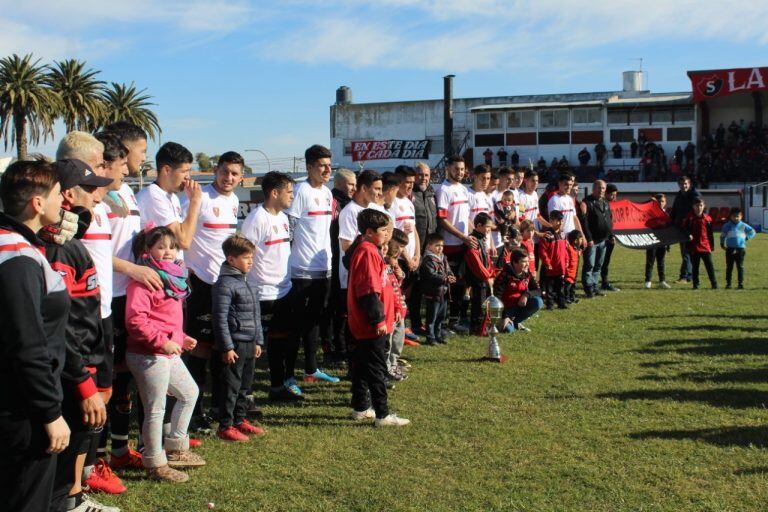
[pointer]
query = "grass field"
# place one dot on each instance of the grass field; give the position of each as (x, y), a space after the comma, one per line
(642, 400)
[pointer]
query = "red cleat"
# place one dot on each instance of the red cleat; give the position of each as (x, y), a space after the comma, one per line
(246, 427)
(232, 434)
(411, 343)
(194, 443)
(102, 479)
(131, 460)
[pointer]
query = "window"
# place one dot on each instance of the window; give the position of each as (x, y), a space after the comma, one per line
(347, 147)
(684, 115)
(488, 121)
(679, 134)
(521, 119)
(587, 116)
(662, 116)
(623, 135)
(554, 118)
(618, 117)
(639, 117)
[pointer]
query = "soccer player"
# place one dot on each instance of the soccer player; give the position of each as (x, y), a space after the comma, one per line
(563, 202)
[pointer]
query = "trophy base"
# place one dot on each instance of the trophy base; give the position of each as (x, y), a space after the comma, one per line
(500, 359)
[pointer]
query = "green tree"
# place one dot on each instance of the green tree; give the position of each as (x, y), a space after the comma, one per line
(28, 106)
(203, 161)
(80, 94)
(125, 103)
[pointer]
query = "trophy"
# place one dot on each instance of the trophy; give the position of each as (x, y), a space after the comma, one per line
(494, 309)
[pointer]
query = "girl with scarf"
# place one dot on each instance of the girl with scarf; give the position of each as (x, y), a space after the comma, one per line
(156, 339)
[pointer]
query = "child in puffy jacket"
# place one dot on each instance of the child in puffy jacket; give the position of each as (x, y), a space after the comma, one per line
(701, 242)
(553, 253)
(733, 239)
(575, 247)
(518, 290)
(435, 278)
(237, 338)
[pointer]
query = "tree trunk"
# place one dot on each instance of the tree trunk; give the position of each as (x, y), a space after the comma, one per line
(20, 127)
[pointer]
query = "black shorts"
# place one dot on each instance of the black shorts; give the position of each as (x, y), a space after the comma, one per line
(277, 315)
(119, 332)
(199, 308)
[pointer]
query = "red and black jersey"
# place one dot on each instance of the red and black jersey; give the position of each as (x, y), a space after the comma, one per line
(86, 352)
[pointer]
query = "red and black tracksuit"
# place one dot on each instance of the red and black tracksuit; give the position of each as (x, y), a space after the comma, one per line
(553, 254)
(480, 269)
(700, 246)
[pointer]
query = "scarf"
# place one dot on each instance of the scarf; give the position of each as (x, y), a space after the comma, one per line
(173, 274)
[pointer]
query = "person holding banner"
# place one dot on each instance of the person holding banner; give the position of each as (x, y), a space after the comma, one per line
(681, 208)
(657, 255)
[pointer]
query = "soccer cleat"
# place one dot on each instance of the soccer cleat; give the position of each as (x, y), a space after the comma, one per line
(291, 385)
(102, 479)
(663, 284)
(232, 434)
(647, 285)
(246, 427)
(411, 343)
(318, 376)
(392, 420)
(88, 504)
(195, 443)
(131, 460)
(366, 415)
(285, 394)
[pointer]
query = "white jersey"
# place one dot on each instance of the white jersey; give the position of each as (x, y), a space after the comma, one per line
(98, 241)
(567, 205)
(312, 210)
(479, 202)
(529, 205)
(495, 196)
(270, 234)
(404, 215)
(453, 205)
(159, 207)
(125, 223)
(348, 232)
(217, 222)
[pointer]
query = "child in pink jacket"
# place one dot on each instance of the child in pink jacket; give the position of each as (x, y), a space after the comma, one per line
(154, 320)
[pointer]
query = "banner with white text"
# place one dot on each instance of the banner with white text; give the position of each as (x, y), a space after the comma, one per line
(644, 225)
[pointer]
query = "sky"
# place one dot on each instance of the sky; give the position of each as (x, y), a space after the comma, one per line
(238, 75)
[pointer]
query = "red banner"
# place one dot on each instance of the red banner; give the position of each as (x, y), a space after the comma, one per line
(643, 225)
(714, 84)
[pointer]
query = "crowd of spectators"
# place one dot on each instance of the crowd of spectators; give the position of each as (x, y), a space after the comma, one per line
(736, 153)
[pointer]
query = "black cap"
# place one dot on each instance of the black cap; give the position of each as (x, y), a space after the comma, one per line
(76, 172)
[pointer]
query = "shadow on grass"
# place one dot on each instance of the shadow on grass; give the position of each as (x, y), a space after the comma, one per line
(736, 398)
(699, 315)
(659, 364)
(724, 436)
(700, 327)
(760, 470)
(710, 346)
(745, 375)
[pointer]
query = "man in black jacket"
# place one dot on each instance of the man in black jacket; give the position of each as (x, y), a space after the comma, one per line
(681, 207)
(423, 198)
(597, 223)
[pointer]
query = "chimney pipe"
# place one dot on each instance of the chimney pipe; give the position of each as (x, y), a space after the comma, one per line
(448, 115)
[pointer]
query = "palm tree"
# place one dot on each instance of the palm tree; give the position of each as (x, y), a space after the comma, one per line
(80, 94)
(125, 103)
(26, 102)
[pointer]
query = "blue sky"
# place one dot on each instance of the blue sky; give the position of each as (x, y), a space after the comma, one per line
(233, 74)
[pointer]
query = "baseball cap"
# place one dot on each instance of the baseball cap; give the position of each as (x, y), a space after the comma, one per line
(74, 172)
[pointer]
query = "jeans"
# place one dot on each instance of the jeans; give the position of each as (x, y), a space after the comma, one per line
(396, 342)
(368, 371)
(519, 314)
(436, 310)
(734, 256)
(657, 256)
(235, 380)
(310, 297)
(686, 265)
(606, 263)
(706, 257)
(594, 257)
(156, 376)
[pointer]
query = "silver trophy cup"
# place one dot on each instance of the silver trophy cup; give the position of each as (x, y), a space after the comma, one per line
(494, 308)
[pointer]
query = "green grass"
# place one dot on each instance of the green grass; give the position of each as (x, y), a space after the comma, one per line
(641, 400)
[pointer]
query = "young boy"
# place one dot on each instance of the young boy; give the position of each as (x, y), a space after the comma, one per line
(370, 303)
(514, 286)
(575, 246)
(512, 240)
(527, 230)
(733, 239)
(657, 255)
(435, 277)
(237, 337)
(553, 252)
(394, 249)
(480, 270)
(701, 242)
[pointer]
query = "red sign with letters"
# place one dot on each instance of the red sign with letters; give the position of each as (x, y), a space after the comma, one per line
(714, 84)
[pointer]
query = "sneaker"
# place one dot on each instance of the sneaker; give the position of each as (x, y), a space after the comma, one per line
(167, 474)
(647, 285)
(403, 363)
(664, 285)
(609, 287)
(195, 443)
(411, 343)
(399, 371)
(102, 479)
(522, 328)
(509, 327)
(184, 459)
(459, 328)
(200, 425)
(89, 504)
(232, 434)
(246, 427)
(598, 293)
(392, 420)
(318, 376)
(366, 415)
(131, 460)
(285, 394)
(291, 385)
